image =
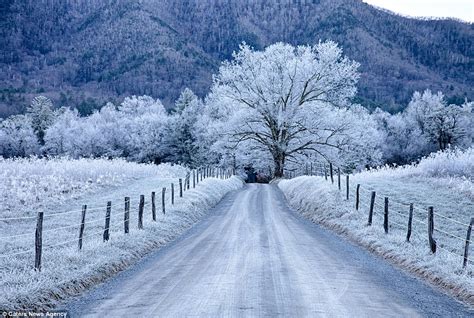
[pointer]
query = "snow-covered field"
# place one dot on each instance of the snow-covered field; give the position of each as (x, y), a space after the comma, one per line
(60, 187)
(444, 181)
(30, 184)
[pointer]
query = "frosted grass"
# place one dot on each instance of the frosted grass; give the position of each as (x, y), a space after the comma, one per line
(443, 181)
(66, 271)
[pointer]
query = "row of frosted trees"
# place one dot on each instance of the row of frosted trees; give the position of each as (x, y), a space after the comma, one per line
(269, 109)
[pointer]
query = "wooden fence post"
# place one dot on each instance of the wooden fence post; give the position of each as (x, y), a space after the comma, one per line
(106, 235)
(371, 208)
(331, 173)
(466, 247)
(431, 240)
(188, 178)
(385, 216)
(194, 178)
(325, 172)
(180, 188)
(339, 178)
(163, 193)
(410, 221)
(357, 197)
(311, 168)
(38, 241)
(172, 193)
(126, 215)
(140, 211)
(81, 229)
(153, 206)
(347, 187)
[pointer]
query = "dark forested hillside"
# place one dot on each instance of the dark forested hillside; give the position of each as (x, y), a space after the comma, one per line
(84, 52)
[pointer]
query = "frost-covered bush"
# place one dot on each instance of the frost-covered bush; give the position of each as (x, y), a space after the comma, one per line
(453, 163)
(428, 124)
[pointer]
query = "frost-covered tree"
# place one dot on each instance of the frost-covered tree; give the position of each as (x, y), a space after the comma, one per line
(60, 137)
(17, 137)
(111, 126)
(134, 129)
(186, 97)
(403, 140)
(441, 125)
(363, 140)
(145, 121)
(278, 98)
(422, 105)
(181, 140)
(428, 124)
(450, 125)
(42, 115)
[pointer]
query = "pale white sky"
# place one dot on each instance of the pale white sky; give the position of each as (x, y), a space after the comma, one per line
(461, 9)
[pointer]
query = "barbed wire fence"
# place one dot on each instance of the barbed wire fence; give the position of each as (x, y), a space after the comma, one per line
(397, 215)
(91, 224)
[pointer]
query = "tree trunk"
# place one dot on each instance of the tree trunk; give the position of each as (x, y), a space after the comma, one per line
(279, 161)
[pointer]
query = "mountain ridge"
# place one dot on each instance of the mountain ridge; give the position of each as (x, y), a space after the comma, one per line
(84, 53)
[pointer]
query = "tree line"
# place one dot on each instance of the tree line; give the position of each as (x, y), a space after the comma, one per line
(269, 109)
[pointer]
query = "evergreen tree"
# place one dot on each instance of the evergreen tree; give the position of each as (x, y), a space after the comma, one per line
(42, 116)
(181, 141)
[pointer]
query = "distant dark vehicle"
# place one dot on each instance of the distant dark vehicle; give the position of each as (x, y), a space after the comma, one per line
(255, 177)
(263, 178)
(251, 177)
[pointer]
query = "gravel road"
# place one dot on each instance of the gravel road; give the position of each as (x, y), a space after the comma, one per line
(253, 256)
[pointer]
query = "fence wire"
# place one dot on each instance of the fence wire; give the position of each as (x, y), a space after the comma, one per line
(364, 203)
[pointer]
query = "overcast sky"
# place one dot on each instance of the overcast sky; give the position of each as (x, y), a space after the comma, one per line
(461, 9)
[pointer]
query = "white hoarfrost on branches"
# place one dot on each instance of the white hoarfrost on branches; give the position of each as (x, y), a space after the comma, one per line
(42, 116)
(139, 129)
(428, 124)
(134, 130)
(181, 140)
(286, 102)
(17, 137)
